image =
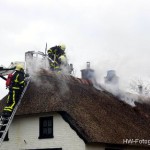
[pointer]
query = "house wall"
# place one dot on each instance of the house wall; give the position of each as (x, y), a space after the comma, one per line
(24, 133)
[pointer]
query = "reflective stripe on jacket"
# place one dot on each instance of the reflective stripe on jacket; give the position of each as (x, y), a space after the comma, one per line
(18, 82)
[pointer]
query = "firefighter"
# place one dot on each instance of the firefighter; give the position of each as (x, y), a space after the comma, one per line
(58, 57)
(15, 89)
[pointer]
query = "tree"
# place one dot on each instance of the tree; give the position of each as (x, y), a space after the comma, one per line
(140, 86)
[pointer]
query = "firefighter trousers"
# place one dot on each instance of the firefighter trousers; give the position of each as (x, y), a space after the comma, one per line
(12, 100)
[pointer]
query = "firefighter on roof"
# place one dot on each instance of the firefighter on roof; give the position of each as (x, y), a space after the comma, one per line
(58, 57)
(16, 84)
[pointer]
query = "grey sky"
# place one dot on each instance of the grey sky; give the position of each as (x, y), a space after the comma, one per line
(111, 34)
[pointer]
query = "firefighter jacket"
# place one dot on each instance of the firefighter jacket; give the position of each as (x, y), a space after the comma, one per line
(55, 52)
(18, 81)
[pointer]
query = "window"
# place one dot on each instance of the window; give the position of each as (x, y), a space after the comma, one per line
(46, 127)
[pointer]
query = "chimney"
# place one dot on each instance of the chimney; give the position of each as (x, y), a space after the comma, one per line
(140, 87)
(87, 73)
(28, 60)
(111, 77)
(36, 60)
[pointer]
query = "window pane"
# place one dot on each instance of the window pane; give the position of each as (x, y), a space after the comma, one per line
(49, 123)
(44, 130)
(49, 131)
(45, 123)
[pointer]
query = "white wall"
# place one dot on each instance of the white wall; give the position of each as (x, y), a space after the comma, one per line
(27, 128)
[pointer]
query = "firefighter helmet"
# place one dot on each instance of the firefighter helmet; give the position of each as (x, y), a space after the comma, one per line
(62, 46)
(62, 58)
(19, 67)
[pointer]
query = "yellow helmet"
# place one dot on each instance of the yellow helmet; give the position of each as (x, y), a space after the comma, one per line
(62, 46)
(19, 67)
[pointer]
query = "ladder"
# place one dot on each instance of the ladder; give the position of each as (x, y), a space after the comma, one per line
(6, 121)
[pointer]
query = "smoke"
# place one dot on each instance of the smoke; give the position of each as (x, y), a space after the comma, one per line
(128, 95)
(63, 85)
(35, 65)
(122, 95)
(127, 73)
(120, 90)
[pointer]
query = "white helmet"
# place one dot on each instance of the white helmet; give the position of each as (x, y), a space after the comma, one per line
(63, 59)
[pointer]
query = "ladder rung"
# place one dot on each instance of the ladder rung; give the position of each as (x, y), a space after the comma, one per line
(5, 119)
(3, 124)
(1, 131)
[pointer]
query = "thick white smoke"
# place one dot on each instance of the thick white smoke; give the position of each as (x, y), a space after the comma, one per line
(36, 64)
(123, 90)
(128, 87)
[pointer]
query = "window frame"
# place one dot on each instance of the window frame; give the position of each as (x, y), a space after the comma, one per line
(41, 127)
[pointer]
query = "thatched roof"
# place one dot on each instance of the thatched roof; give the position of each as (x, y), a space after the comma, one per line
(95, 115)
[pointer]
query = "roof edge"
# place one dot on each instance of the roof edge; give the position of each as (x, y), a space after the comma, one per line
(80, 132)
